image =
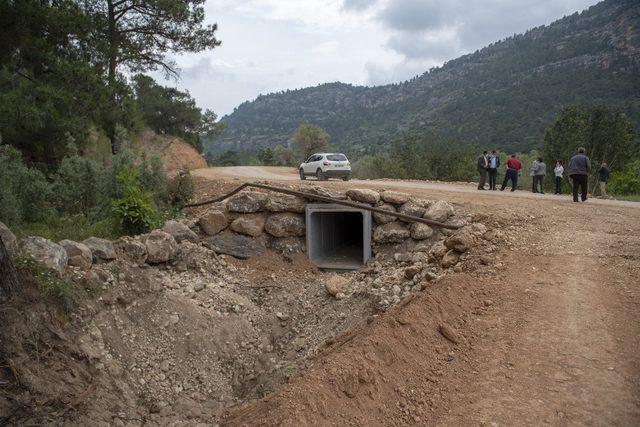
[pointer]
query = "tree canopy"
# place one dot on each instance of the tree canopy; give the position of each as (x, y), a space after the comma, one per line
(311, 139)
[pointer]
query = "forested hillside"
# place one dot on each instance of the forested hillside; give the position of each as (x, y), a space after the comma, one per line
(503, 95)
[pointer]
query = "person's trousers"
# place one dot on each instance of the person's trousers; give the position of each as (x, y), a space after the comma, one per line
(581, 181)
(538, 184)
(493, 175)
(603, 188)
(511, 175)
(483, 178)
(558, 185)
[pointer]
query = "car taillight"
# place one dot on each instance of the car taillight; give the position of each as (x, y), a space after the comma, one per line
(326, 163)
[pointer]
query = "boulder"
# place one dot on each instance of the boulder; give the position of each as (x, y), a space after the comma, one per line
(9, 239)
(461, 241)
(364, 195)
(79, 254)
(237, 246)
(393, 232)
(213, 222)
(336, 284)
(411, 271)
(247, 202)
(321, 191)
(161, 247)
(412, 208)
(477, 228)
(285, 225)
(438, 250)
(101, 249)
(450, 259)
(420, 231)
(278, 202)
(180, 231)
(382, 218)
(395, 197)
(131, 249)
(439, 211)
(287, 245)
(46, 252)
(251, 225)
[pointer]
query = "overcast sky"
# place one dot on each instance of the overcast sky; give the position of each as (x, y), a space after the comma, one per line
(271, 45)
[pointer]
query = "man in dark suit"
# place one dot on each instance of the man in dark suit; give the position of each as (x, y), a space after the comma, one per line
(494, 164)
(483, 165)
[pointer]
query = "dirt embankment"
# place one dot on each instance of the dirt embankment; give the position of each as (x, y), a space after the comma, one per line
(174, 152)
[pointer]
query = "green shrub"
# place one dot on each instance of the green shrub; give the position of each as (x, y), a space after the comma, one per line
(153, 178)
(76, 186)
(74, 227)
(181, 189)
(626, 182)
(135, 211)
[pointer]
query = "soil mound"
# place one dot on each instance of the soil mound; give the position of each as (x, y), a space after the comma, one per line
(174, 152)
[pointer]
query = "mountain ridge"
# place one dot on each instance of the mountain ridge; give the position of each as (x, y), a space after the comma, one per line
(503, 95)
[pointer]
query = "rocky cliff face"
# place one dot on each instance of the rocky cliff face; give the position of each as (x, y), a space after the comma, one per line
(503, 95)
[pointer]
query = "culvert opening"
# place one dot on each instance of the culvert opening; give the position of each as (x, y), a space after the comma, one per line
(338, 237)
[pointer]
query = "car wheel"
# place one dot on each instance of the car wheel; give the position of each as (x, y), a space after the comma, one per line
(302, 175)
(320, 175)
(345, 178)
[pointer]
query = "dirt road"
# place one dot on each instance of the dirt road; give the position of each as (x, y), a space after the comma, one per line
(551, 337)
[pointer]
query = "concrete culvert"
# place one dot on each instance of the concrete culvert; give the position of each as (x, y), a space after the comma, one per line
(338, 237)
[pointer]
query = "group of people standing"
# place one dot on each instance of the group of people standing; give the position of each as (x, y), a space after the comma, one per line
(579, 168)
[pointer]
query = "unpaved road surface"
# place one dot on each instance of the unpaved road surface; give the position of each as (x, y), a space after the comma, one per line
(552, 336)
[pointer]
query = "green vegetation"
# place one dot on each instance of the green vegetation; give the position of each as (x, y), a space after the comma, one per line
(310, 139)
(502, 96)
(68, 108)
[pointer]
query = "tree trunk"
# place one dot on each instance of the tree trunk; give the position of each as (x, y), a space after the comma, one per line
(8, 276)
(112, 37)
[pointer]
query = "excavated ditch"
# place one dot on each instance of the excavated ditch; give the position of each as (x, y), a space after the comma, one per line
(185, 338)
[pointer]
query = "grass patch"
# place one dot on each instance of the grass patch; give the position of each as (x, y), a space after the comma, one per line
(52, 286)
(75, 228)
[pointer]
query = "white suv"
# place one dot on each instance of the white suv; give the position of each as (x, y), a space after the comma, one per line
(326, 165)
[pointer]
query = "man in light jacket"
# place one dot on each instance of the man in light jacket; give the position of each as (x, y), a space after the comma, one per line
(538, 177)
(579, 168)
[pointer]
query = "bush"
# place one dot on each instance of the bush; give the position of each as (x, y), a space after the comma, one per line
(76, 185)
(25, 194)
(50, 283)
(181, 189)
(624, 183)
(135, 211)
(153, 178)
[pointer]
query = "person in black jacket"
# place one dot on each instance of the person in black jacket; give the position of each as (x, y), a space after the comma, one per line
(494, 164)
(579, 168)
(603, 178)
(483, 165)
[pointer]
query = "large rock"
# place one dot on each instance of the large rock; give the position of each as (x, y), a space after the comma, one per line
(79, 254)
(382, 218)
(251, 225)
(237, 246)
(101, 249)
(285, 225)
(180, 231)
(450, 259)
(393, 232)
(412, 208)
(438, 250)
(45, 252)
(322, 191)
(213, 222)
(9, 239)
(420, 231)
(461, 241)
(278, 202)
(131, 249)
(336, 284)
(247, 202)
(364, 195)
(439, 211)
(395, 197)
(161, 247)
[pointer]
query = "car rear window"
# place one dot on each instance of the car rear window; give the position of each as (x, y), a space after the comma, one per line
(336, 157)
